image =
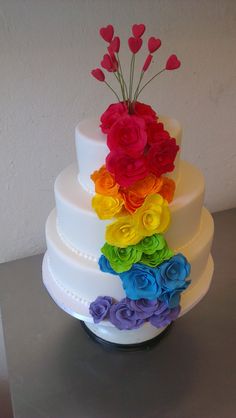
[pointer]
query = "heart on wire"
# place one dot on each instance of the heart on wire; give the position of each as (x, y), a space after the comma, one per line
(138, 30)
(107, 33)
(134, 44)
(153, 44)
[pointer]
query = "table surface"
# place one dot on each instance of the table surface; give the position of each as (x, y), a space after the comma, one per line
(57, 371)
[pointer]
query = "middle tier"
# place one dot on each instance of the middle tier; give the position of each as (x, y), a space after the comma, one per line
(80, 228)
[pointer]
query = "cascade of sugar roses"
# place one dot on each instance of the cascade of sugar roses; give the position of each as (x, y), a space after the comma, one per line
(132, 190)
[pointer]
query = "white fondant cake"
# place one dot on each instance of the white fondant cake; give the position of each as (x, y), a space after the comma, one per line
(75, 235)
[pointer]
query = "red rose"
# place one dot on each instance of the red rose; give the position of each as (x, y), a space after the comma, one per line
(156, 133)
(111, 115)
(161, 156)
(145, 111)
(125, 169)
(128, 135)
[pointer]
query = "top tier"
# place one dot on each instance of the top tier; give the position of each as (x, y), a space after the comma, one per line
(91, 148)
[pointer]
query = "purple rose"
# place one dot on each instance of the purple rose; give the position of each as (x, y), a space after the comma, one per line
(144, 308)
(99, 309)
(163, 317)
(123, 317)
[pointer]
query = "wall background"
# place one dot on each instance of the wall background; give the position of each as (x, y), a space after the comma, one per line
(47, 49)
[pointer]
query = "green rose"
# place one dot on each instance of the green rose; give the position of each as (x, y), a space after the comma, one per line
(122, 259)
(150, 245)
(153, 260)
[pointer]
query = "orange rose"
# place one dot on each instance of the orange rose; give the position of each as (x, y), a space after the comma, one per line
(123, 212)
(132, 201)
(105, 183)
(168, 189)
(149, 185)
(135, 195)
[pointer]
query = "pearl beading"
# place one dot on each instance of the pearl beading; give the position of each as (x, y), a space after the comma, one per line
(82, 254)
(71, 294)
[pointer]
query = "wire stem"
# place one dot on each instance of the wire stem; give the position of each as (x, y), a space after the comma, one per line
(136, 91)
(132, 79)
(108, 85)
(122, 78)
(150, 81)
(118, 77)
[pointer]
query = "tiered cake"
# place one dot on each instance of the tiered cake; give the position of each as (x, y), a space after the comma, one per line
(79, 268)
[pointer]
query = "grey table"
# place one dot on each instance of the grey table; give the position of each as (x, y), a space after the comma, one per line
(57, 371)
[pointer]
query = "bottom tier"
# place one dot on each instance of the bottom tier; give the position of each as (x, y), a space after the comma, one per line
(74, 281)
(66, 301)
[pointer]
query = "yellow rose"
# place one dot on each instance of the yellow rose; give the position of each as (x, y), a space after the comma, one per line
(123, 232)
(107, 207)
(153, 216)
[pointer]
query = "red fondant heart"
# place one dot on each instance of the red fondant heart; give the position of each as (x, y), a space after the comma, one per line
(147, 63)
(107, 33)
(153, 44)
(106, 62)
(110, 50)
(115, 45)
(98, 74)
(135, 44)
(172, 63)
(109, 63)
(138, 30)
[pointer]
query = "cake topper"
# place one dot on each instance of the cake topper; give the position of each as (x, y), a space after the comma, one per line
(111, 63)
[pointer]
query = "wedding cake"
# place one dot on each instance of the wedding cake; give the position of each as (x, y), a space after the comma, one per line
(128, 244)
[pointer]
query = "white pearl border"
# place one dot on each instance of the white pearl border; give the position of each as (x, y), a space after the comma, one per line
(72, 248)
(84, 301)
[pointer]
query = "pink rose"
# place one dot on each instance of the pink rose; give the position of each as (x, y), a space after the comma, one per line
(156, 133)
(111, 115)
(125, 169)
(128, 135)
(161, 156)
(146, 112)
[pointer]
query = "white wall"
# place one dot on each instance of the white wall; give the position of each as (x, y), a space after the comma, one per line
(48, 48)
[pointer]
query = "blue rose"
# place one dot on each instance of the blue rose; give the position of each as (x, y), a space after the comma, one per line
(172, 297)
(141, 282)
(99, 309)
(105, 265)
(123, 317)
(174, 272)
